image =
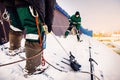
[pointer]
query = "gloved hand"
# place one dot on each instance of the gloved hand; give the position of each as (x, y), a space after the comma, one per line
(78, 22)
(49, 28)
(45, 28)
(74, 23)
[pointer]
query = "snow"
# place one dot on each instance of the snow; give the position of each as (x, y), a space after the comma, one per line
(59, 48)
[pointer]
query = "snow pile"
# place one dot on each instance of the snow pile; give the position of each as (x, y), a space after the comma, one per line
(108, 61)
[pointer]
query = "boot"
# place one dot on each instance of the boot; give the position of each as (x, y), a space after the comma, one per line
(32, 49)
(15, 38)
(66, 33)
(78, 35)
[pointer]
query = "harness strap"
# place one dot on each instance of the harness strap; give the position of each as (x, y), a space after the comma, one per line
(40, 37)
(38, 29)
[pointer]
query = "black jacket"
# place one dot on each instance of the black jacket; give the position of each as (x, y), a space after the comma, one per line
(45, 8)
(14, 3)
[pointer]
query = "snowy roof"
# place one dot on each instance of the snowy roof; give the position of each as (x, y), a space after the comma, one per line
(62, 11)
(82, 29)
(108, 62)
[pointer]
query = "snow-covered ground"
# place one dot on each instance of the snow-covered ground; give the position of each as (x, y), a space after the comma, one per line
(115, 46)
(108, 61)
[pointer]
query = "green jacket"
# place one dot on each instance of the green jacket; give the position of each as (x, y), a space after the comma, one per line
(76, 21)
(45, 8)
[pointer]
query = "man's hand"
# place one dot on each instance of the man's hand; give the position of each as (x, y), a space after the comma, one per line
(74, 22)
(78, 22)
(45, 29)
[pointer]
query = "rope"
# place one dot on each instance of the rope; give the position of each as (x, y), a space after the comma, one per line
(24, 59)
(47, 63)
(55, 67)
(68, 54)
(90, 73)
(21, 60)
(60, 44)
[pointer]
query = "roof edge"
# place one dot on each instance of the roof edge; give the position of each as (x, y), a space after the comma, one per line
(62, 11)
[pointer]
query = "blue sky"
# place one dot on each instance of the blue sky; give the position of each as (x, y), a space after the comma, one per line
(97, 15)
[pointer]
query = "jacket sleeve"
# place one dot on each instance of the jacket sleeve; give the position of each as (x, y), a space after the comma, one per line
(49, 13)
(71, 20)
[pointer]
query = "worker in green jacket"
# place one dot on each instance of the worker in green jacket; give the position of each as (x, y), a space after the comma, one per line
(75, 21)
(29, 16)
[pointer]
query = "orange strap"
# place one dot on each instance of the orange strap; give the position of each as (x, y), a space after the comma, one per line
(43, 60)
(37, 24)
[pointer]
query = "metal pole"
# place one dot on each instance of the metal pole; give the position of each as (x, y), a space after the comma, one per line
(91, 65)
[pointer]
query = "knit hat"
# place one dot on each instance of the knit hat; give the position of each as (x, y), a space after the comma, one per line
(77, 13)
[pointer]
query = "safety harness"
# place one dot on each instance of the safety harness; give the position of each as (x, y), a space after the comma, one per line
(40, 37)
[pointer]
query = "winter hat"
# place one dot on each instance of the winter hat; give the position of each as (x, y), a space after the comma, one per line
(77, 13)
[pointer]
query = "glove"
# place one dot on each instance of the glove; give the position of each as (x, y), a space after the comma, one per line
(49, 28)
(74, 23)
(78, 22)
(45, 28)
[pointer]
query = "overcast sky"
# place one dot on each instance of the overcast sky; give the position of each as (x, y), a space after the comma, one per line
(97, 15)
